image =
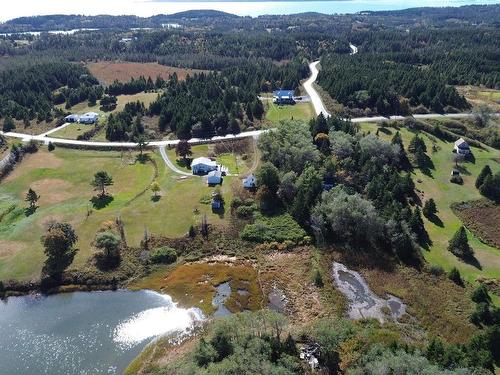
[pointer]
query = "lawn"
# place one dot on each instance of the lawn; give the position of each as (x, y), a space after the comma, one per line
(62, 179)
(72, 131)
(299, 111)
(234, 162)
(437, 186)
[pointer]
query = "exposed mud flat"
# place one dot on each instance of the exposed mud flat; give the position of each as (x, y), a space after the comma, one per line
(363, 303)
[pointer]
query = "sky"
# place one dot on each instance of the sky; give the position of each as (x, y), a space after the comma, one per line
(16, 8)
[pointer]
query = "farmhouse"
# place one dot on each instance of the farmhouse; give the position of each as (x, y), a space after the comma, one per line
(462, 147)
(72, 118)
(214, 178)
(283, 97)
(203, 165)
(250, 182)
(89, 118)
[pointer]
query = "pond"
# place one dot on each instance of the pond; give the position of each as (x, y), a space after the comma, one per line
(363, 303)
(85, 332)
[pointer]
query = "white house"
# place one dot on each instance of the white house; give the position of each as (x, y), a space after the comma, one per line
(214, 178)
(462, 147)
(250, 182)
(89, 118)
(203, 165)
(72, 118)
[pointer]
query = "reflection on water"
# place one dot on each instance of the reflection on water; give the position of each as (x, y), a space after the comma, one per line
(223, 292)
(84, 333)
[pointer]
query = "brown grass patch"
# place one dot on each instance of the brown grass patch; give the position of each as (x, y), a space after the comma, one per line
(107, 72)
(439, 305)
(52, 190)
(194, 284)
(9, 248)
(291, 273)
(34, 161)
(482, 218)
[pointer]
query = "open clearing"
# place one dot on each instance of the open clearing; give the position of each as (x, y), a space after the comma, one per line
(481, 96)
(299, 111)
(437, 186)
(62, 178)
(107, 72)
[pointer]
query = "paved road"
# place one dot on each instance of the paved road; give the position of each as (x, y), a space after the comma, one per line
(171, 165)
(311, 91)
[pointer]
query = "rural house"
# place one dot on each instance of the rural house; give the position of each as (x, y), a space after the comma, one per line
(283, 97)
(214, 178)
(462, 147)
(89, 118)
(250, 182)
(203, 165)
(72, 118)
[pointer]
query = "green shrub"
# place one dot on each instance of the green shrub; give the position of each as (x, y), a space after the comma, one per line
(454, 275)
(164, 255)
(244, 212)
(436, 270)
(318, 279)
(276, 228)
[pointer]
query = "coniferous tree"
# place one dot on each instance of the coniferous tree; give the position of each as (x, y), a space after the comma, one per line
(454, 275)
(459, 244)
(416, 223)
(429, 209)
(8, 124)
(32, 197)
(486, 171)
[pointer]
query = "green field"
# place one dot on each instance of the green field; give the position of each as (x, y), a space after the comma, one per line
(438, 186)
(299, 111)
(72, 131)
(62, 179)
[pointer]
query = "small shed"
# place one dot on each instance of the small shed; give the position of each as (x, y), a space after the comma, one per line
(203, 165)
(89, 118)
(72, 118)
(462, 147)
(250, 182)
(283, 97)
(216, 204)
(214, 178)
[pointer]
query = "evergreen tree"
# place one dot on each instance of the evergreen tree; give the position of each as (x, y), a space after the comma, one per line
(100, 181)
(480, 294)
(416, 223)
(429, 209)
(459, 244)
(454, 275)
(51, 147)
(491, 187)
(32, 197)
(8, 124)
(486, 171)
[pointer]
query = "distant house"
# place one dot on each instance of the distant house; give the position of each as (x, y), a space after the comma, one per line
(203, 165)
(89, 118)
(214, 178)
(72, 118)
(462, 147)
(250, 182)
(283, 97)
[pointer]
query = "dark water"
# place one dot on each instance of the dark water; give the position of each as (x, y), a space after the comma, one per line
(84, 333)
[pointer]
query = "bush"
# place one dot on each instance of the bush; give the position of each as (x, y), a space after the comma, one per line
(454, 275)
(244, 212)
(436, 270)
(276, 228)
(165, 255)
(318, 279)
(51, 147)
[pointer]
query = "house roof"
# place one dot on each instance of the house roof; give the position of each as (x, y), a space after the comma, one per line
(203, 160)
(215, 174)
(89, 115)
(73, 116)
(461, 143)
(283, 94)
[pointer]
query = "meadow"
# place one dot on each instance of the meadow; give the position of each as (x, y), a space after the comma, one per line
(437, 185)
(62, 179)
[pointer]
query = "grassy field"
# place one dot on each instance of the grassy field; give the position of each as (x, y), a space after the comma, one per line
(72, 131)
(62, 179)
(437, 186)
(481, 96)
(146, 97)
(299, 111)
(107, 72)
